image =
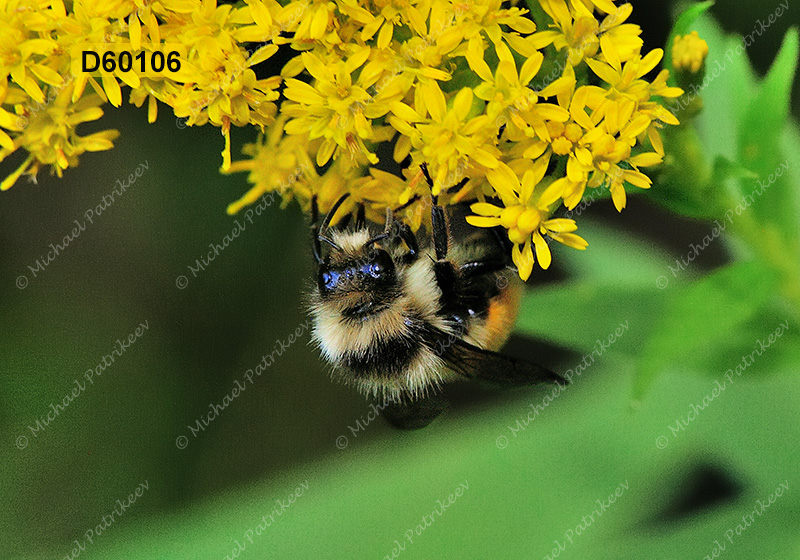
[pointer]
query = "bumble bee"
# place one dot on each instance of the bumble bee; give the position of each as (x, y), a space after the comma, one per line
(398, 319)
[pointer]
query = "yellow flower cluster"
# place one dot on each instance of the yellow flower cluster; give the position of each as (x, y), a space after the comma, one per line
(517, 116)
(689, 52)
(43, 102)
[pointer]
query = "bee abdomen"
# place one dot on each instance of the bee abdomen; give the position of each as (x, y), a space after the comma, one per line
(387, 357)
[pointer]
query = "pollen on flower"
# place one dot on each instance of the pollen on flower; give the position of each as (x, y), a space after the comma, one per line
(689, 52)
(514, 112)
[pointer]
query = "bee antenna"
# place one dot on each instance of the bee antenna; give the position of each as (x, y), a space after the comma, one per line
(318, 231)
(327, 221)
(329, 241)
(316, 248)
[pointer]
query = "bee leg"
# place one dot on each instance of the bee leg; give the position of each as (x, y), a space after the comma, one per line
(443, 269)
(344, 222)
(387, 228)
(439, 230)
(314, 210)
(361, 216)
(500, 235)
(481, 268)
(438, 220)
(405, 233)
(415, 414)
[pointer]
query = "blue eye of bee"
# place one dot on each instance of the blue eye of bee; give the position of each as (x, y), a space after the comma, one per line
(328, 279)
(372, 270)
(381, 267)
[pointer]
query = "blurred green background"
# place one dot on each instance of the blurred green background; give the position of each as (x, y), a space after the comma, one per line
(535, 472)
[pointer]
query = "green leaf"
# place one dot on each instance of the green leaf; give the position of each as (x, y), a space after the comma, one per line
(726, 91)
(683, 25)
(769, 111)
(358, 501)
(701, 316)
(725, 169)
(687, 189)
(749, 347)
(579, 314)
(790, 144)
(618, 275)
(760, 139)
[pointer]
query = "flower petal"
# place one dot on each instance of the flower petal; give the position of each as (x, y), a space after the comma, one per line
(543, 254)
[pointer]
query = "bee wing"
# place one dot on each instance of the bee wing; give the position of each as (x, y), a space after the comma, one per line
(471, 361)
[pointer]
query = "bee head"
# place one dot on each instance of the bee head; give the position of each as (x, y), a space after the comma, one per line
(359, 275)
(367, 273)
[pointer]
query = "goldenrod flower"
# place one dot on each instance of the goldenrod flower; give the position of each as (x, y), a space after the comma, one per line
(455, 85)
(335, 108)
(50, 136)
(578, 31)
(526, 215)
(689, 52)
(277, 164)
(508, 94)
(25, 48)
(448, 139)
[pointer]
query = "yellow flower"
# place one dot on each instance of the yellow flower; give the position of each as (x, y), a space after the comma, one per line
(389, 15)
(278, 164)
(328, 188)
(381, 190)
(487, 16)
(526, 215)
(508, 86)
(219, 84)
(689, 52)
(50, 136)
(628, 97)
(625, 79)
(335, 108)
(25, 48)
(606, 6)
(613, 165)
(448, 139)
(451, 85)
(578, 31)
(315, 22)
(602, 155)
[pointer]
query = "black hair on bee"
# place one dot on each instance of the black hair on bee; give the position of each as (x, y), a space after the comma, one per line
(398, 319)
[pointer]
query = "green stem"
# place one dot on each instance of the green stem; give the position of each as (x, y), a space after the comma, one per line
(768, 245)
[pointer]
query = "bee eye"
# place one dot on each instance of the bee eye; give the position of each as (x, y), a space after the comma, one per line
(381, 266)
(328, 279)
